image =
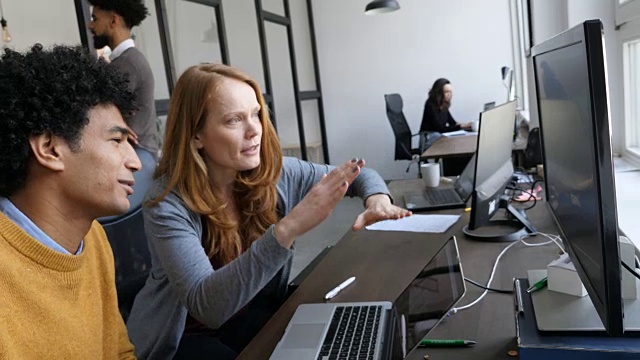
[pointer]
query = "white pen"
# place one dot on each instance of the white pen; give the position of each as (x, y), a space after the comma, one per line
(339, 288)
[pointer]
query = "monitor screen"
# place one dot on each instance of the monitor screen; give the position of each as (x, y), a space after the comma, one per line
(571, 90)
(493, 162)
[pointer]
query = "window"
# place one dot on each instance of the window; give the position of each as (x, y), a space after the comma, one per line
(629, 35)
(521, 49)
(631, 63)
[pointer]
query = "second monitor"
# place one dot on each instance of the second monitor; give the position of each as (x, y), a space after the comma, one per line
(494, 169)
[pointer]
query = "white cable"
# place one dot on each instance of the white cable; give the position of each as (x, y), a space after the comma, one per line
(552, 239)
(555, 238)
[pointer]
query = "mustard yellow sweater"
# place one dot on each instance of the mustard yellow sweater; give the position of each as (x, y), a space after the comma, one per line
(57, 306)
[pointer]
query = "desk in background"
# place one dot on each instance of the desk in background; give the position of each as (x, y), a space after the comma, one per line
(385, 262)
(455, 147)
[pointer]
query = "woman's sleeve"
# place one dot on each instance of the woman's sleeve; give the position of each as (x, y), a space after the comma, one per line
(429, 118)
(211, 296)
(299, 177)
(453, 125)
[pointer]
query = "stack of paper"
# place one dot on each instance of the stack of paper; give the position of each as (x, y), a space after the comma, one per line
(417, 223)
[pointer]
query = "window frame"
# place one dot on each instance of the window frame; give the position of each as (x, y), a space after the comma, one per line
(521, 49)
(630, 32)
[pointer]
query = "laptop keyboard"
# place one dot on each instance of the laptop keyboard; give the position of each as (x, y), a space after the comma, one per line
(352, 333)
(443, 196)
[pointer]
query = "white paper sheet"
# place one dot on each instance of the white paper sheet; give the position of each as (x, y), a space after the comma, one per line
(458, 133)
(417, 223)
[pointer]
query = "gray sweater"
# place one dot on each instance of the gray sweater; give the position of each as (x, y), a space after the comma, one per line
(182, 279)
(144, 122)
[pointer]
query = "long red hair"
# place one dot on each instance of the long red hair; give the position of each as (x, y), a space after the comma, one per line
(182, 164)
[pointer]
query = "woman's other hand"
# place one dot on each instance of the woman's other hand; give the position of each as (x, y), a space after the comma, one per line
(378, 208)
(465, 126)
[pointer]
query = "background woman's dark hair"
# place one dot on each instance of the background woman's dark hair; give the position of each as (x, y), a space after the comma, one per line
(132, 11)
(50, 91)
(436, 94)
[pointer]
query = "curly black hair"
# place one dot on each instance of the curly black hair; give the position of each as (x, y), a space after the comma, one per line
(132, 11)
(51, 91)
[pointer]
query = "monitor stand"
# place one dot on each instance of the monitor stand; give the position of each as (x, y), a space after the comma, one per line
(557, 312)
(515, 218)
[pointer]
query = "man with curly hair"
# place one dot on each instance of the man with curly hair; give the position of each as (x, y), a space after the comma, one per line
(111, 24)
(64, 161)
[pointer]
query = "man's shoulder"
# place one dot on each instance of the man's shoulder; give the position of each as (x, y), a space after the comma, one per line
(132, 57)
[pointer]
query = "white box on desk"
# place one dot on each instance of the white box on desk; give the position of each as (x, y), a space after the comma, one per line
(563, 277)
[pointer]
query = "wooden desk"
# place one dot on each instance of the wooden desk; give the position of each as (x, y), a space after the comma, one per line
(385, 262)
(458, 146)
(455, 146)
(491, 322)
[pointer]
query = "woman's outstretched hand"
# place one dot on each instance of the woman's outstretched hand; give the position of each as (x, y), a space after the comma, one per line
(378, 208)
(318, 203)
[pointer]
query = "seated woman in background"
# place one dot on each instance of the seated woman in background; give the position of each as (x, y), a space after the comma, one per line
(436, 116)
(223, 215)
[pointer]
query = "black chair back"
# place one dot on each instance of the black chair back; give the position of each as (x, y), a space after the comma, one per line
(127, 237)
(533, 151)
(400, 127)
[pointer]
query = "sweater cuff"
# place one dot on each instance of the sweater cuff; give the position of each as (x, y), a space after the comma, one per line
(364, 201)
(273, 244)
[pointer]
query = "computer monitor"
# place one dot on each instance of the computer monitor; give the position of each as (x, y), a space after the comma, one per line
(571, 90)
(494, 170)
(508, 79)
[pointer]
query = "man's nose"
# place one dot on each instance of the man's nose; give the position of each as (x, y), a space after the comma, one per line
(133, 162)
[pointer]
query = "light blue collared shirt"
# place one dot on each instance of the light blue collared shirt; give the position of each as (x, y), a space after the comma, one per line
(15, 215)
(121, 48)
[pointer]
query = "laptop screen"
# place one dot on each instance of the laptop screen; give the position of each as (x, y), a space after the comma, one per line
(429, 297)
(464, 183)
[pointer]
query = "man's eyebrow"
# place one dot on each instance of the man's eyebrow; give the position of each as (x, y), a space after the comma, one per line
(118, 129)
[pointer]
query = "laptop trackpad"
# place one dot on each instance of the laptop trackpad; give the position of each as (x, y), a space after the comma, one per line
(303, 336)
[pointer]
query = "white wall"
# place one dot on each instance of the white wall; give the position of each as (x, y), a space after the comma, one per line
(364, 57)
(361, 58)
(551, 17)
(47, 22)
(581, 10)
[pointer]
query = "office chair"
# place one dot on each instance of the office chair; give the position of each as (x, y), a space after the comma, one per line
(533, 151)
(127, 238)
(402, 132)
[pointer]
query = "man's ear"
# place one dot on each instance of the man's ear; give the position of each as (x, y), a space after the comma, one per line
(49, 150)
(117, 21)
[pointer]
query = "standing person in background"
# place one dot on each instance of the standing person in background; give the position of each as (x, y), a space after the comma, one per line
(436, 116)
(64, 161)
(111, 24)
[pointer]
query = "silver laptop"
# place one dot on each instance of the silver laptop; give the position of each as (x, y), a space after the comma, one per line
(377, 330)
(444, 198)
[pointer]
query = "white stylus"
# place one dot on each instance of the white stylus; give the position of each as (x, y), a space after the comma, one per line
(339, 288)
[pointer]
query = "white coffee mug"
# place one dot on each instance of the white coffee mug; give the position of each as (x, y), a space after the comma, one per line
(430, 174)
(475, 126)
